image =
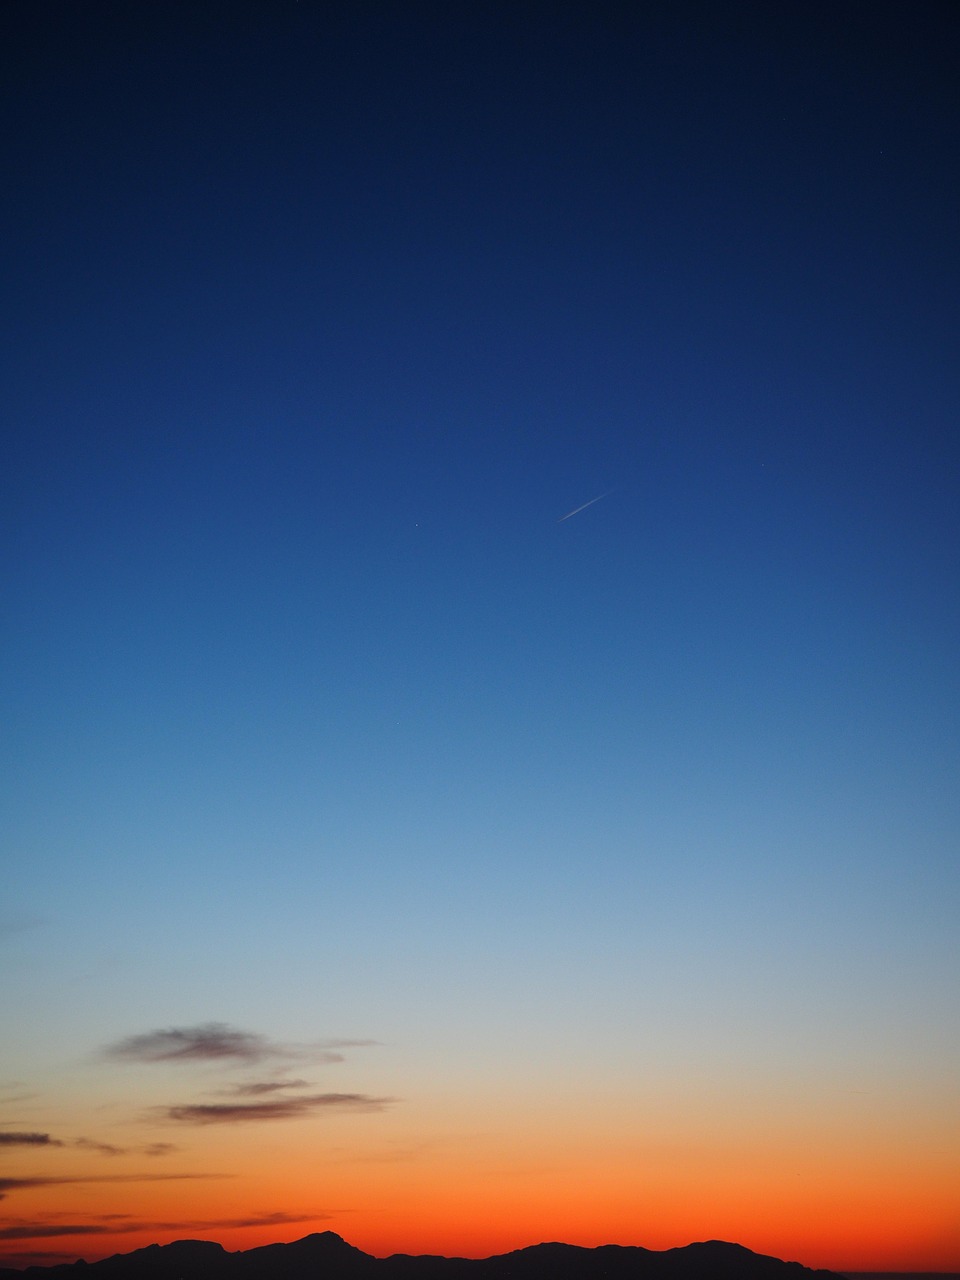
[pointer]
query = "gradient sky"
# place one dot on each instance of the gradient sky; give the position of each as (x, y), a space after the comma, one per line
(383, 852)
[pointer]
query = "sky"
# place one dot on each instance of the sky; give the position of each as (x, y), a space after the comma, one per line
(481, 579)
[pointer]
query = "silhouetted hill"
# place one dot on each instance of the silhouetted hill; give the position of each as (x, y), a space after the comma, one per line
(325, 1256)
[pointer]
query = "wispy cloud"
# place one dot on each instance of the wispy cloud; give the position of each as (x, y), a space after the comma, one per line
(28, 1140)
(103, 1148)
(108, 1224)
(16, 1139)
(211, 1041)
(279, 1219)
(41, 1230)
(27, 1184)
(260, 1088)
(275, 1109)
(219, 1042)
(110, 1149)
(32, 1183)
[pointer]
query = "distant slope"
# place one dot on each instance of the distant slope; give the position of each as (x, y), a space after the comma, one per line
(325, 1256)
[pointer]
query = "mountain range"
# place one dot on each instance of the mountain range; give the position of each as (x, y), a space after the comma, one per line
(326, 1256)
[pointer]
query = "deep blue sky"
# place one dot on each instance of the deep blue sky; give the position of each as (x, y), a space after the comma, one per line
(319, 319)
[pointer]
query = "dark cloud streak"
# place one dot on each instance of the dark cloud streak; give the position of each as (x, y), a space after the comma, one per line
(258, 1088)
(280, 1109)
(219, 1042)
(38, 1231)
(108, 1225)
(86, 1144)
(211, 1041)
(28, 1140)
(30, 1184)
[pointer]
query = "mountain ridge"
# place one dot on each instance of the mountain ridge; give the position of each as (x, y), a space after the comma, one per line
(324, 1255)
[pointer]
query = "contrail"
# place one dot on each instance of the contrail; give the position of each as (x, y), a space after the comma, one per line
(576, 510)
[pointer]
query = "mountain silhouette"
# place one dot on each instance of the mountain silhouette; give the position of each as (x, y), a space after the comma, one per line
(326, 1256)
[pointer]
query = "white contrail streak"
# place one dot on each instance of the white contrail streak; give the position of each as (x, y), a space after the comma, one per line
(576, 510)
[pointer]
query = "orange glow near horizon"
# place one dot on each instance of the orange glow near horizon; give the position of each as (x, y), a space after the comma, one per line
(810, 1173)
(870, 1249)
(431, 1205)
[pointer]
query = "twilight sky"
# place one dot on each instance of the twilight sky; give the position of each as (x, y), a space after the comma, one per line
(382, 851)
